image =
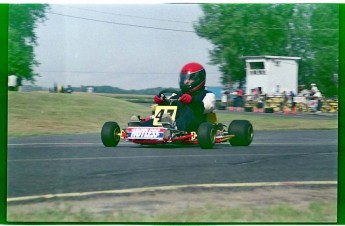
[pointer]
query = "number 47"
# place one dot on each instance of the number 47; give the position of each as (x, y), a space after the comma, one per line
(160, 111)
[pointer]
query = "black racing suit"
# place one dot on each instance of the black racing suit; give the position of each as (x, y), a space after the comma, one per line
(189, 116)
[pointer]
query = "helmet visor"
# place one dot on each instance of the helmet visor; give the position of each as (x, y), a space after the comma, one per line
(187, 79)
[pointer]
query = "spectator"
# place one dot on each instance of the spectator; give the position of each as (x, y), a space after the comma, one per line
(303, 91)
(261, 98)
(225, 92)
(239, 98)
(318, 96)
(255, 93)
(293, 103)
(284, 101)
(313, 89)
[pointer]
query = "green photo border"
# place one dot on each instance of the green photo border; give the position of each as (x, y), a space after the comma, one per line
(341, 126)
(4, 107)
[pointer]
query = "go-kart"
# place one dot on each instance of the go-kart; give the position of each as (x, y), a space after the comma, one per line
(238, 133)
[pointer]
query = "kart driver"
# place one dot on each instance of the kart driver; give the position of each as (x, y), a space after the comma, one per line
(196, 101)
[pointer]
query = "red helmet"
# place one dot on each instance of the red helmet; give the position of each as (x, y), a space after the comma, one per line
(192, 77)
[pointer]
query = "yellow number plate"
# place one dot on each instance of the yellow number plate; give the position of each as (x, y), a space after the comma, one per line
(160, 111)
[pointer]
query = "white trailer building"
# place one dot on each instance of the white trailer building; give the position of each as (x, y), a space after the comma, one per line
(269, 71)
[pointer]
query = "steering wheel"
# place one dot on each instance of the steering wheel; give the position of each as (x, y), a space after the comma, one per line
(172, 98)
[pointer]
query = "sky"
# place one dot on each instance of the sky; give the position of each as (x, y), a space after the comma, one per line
(127, 46)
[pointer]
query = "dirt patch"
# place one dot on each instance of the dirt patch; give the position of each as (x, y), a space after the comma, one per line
(177, 200)
(156, 202)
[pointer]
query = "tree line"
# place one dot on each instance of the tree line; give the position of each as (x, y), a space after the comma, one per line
(309, 31)
(116, 90)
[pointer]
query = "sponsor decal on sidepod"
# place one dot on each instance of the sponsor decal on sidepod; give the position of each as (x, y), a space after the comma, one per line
(145, 133)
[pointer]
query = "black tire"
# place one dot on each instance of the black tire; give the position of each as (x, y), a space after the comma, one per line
(243, 131)
(206, 135)
(248, 109)
(110, 134)
(269, 110)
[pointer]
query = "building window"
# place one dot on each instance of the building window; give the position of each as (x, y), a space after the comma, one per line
(257, 68)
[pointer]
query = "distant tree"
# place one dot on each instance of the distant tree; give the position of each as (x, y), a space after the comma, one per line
(325, 47)
(23, 19)
(309, 31)
(315, 38)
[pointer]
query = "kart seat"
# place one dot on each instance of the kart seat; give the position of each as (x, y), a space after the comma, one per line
(212, 118)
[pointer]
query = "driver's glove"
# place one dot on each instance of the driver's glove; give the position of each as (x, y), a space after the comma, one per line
(158, 100)
(186, 98)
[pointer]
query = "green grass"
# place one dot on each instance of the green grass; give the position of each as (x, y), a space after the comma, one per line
(39, 113)
(317, 211)
(52, 113)
(267, 121)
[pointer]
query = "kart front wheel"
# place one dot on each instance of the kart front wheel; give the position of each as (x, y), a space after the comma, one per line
(243, 131)
(110, 134)
(206, 135)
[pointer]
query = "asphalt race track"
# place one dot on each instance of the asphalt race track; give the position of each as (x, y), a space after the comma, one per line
(80, 163)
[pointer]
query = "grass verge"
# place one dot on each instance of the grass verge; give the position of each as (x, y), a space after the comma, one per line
(53, 113)
(317, 211)
(39, 113)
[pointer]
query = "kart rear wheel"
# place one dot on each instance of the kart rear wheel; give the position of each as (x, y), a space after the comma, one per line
(206, 135)
(110, 134)
(243, 131)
